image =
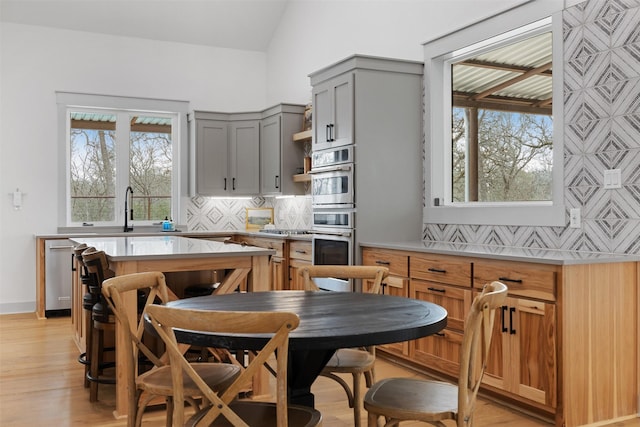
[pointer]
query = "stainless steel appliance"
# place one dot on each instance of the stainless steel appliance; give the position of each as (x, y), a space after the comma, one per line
(333, 204)
(333, 244)
(58, 276)
(332, 178)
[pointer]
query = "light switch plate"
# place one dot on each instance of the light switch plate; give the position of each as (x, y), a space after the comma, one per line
(575, 220)
(612, 178)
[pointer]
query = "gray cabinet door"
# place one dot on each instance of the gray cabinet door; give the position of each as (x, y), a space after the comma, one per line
(270, 156)
(245, 157)
(333, 103)
(212, 157)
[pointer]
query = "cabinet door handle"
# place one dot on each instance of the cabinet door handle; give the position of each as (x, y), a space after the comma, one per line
(233, 187)
(73, 264)
(436, 270)
(503, 309)
(332, 135)
(512, 310)
(506, 279)
(277, 181)
(225, 184)
(437, 290)
(380, 262)
(327, 133)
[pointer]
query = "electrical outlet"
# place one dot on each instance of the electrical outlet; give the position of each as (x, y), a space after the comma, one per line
(575, 221)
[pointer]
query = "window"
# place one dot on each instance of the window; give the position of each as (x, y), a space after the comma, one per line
(109, 149)
(493, 121)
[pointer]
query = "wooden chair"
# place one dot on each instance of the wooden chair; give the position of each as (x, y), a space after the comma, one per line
(100, 321)
(357, 362)
(225, 409)
(400, 399)
(157, 381)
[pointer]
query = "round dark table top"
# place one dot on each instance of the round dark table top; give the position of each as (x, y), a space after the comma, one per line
(328, 320)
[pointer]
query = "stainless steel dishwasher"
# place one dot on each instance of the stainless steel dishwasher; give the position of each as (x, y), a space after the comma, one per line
(58, 276)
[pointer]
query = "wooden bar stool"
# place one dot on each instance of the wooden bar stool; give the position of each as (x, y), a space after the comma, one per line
(101, 321)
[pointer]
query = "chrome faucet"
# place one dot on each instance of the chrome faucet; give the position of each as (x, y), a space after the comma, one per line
(126, 210)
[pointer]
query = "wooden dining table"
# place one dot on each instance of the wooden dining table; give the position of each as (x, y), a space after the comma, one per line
(328, 321)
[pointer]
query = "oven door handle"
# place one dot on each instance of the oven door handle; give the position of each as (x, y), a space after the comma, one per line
(339, 168)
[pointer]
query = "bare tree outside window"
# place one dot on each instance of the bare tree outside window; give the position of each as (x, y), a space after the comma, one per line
(515, 156)
(94, 155)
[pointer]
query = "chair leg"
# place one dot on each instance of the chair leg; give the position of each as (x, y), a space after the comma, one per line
(96, 351)
(88, 347)
(370, 377)
(169, 421)
(357, 399)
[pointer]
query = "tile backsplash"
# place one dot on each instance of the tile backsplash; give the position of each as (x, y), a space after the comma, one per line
(213, 214)
(601, 131)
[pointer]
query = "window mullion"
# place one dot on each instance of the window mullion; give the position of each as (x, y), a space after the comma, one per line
(123, 128)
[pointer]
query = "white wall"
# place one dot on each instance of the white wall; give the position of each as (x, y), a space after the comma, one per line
(38, 61)
(316, 33)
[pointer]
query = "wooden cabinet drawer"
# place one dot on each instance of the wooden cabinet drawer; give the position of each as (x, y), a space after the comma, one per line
(441, 268)
(456, 300)
(275, 244)
(397, 263)
(440, 351)
(300, 250)
(527, 280)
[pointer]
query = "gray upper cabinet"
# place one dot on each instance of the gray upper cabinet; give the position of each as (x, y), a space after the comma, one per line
(244, 144)
(225, 150)
(333, 106)
(246, 154)
(211, 156)
(280, 156)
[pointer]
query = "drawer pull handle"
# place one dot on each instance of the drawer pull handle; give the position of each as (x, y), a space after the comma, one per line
(436, 270)
(437, 290)
(512, 310)
(300, 251)
(503, 309)
(440, 334)
(506, 279)
(380, 262)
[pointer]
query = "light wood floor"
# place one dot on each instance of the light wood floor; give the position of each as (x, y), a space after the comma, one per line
(41, 384)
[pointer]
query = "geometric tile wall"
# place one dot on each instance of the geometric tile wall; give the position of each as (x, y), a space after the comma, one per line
(601, 131)
(209, 214)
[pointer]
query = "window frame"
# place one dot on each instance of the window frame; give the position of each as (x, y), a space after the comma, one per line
(437, 126)
(178, 110)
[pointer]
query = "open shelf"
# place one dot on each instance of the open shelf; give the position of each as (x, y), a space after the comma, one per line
(302, 177)
(302, 136)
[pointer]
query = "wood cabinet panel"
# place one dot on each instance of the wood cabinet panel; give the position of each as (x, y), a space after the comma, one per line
(440, 352)
(522, 355)
(300, 250)
(442, 269)
(526, 280)
(455, 300)
(398, 264)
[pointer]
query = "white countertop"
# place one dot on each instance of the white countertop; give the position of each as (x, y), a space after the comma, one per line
(166, 246)
(507, 253)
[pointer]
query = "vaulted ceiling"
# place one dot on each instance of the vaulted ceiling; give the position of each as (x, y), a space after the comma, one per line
(235, 24)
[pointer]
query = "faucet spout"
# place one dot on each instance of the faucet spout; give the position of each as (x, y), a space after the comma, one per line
(128, 212)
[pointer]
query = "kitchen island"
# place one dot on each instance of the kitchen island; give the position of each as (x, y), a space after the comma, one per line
(168, 253)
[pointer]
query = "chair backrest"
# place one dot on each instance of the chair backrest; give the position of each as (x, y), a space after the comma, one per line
(375, 273)
(115, 291)
(275, 324)
(475, 347)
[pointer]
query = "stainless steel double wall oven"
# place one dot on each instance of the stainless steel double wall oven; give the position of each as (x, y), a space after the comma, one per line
(333, 205)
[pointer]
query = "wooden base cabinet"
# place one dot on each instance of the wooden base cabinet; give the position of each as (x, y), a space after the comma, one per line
(396, 284)
(522, 358)
(299, 256)
(277, 261)
(566, 343)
